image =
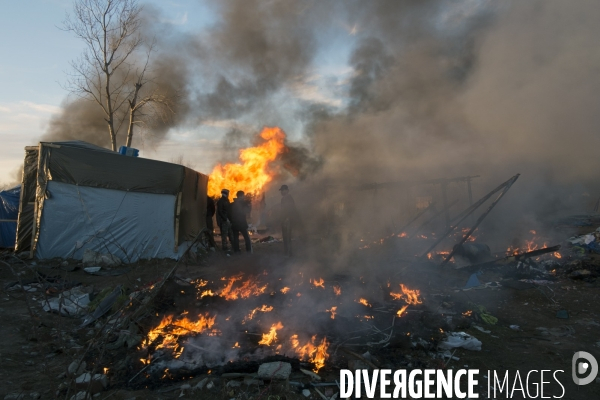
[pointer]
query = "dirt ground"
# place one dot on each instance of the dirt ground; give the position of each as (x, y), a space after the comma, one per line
(37, 347)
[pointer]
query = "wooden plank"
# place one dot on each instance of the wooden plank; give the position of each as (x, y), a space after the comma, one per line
(37, 205)
(514, 258)
(481, 218)
(177, 216)
(462, 216)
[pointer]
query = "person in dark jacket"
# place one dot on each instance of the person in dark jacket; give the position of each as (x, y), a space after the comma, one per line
(288, 218)
(224, 218)
(210, 213)
(239, 210)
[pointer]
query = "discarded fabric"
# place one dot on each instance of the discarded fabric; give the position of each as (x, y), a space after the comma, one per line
(460, 339)
(71, 303)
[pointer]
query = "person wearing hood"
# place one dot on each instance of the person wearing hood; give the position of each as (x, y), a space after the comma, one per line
(224, 218)
(239, 210)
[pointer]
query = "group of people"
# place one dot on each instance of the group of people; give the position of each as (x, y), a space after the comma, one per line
(231, 219)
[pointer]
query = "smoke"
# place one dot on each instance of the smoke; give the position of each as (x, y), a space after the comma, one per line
(443, 89)
(258, 47)
(533, 92)
(14, 178)
(435, 89)
(79, 120)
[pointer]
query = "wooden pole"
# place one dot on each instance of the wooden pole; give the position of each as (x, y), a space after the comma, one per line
(437, 214)
(468, 212)
(513, 258)
(481, 218)
(423, 211)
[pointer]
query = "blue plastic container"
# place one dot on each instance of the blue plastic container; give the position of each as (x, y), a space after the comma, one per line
(128, 151)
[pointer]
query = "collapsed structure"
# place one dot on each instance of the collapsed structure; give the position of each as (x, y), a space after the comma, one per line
(77, 196)
(9, 206)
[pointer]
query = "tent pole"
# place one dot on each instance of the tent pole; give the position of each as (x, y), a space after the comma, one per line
(177, 217)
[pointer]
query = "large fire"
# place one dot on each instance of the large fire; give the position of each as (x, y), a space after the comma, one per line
(253, 173)
(172, 332)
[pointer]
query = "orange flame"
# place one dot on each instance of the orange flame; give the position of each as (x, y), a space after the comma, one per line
(318, 283)
(264, 308)
(285, 290)
(337, 290)
(253, 173)
(364, 302)
(410, 296)
(467, 313)
(402, 310)
(250, 287)
(171, 330)
(268, 338)
(315, 353)
(332, 311)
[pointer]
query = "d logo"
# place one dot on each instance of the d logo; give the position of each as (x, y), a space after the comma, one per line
(579, 367)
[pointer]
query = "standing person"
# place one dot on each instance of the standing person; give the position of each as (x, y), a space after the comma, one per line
(210, 212)
(239, 210)
(224, 218)
(288, 217)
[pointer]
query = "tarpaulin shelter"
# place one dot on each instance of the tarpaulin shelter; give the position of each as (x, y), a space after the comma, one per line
(77, 196)
(9, 210)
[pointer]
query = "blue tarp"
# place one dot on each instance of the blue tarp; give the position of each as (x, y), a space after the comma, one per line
(9, 210)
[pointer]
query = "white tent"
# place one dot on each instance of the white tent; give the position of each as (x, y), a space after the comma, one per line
(78, 196)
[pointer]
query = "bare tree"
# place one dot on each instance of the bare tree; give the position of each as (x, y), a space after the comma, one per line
(111, 32)
(145, 94)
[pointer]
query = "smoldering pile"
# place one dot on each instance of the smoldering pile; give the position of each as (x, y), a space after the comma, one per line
(233, 322)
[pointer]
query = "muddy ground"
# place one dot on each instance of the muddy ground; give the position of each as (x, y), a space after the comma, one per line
(37, 347)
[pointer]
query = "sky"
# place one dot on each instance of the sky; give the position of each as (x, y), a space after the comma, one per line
(35, 56)
(372, 91)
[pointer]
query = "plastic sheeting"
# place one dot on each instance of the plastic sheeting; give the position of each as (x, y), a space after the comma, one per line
(26, 209)
(193, 205)
(9, 211)
(83, 164)
(130, 225)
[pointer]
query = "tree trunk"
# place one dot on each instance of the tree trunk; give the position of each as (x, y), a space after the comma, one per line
(132, 110)
(130, 128)
(110, 119)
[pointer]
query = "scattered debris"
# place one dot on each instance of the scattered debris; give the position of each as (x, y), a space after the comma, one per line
(93, 258)
(92, 383)
(460, 339)
(104, 306)
(275, 370)
(71, 303)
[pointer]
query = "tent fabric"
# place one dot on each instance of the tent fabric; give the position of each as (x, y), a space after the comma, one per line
(27, 206)
(96, 167)
(130, 225)
(81, 166)
(9, 211)
(192, 218)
